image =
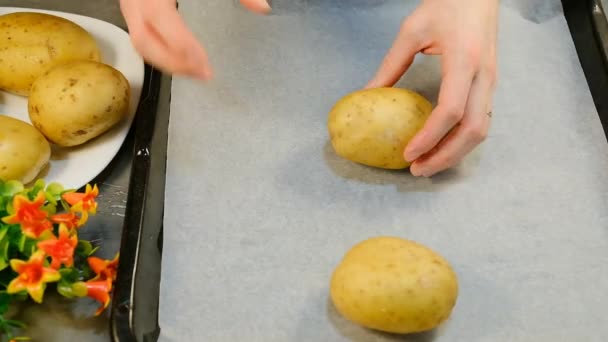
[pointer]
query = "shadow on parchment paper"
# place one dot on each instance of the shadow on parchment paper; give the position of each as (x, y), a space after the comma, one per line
(298, 6)
(402, 179)
(480, 296)
(536, 11)
(357, 333)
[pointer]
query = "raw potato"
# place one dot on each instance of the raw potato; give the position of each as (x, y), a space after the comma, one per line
(31, 43)
(24, 152)
(76, 102)
(373, 126)
(394, 285)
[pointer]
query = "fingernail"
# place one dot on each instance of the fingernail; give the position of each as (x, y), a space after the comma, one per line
(415, 171)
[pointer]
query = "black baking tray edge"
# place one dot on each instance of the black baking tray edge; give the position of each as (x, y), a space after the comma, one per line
(134, 313)
(589, 29)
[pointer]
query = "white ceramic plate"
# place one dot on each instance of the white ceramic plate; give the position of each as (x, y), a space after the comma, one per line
(75, 167)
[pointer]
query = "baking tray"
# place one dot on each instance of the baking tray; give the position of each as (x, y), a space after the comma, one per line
(587, 20)
(135, 311)
(135, 299)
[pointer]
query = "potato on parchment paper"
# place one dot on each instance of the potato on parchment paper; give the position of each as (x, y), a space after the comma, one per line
(394, 285)
(373, 126)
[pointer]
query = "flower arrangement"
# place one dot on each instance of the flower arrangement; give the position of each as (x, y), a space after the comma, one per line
(40, 247)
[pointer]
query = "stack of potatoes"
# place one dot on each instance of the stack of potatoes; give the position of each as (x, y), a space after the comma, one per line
(73, 97)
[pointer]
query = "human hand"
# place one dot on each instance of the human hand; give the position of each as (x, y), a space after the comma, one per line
(162, 38)
(464, 34)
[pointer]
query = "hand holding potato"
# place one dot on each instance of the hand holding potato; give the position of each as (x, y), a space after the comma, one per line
(464, 34)
(373, 126)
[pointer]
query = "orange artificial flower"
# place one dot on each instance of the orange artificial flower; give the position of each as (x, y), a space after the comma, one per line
(99, 287)
(32, 276)
(100, 291)
(29, 214)
(105, 269)
(61, 249)
(83, 203)
(71, 220)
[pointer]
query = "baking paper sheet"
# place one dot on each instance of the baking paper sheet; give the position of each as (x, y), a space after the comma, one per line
(259, 210)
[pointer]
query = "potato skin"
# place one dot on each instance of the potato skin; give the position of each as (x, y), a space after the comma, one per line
(32, 43)
(394, 285)
(373, 126)
(24, 152)
(78, 101)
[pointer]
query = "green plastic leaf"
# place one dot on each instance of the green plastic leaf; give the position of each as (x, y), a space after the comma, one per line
(84, 248)
(4, 244)
(21, 244)
(72, 290)
(21, 296)
(6, 276)
(5, 301)
(39, 185)
(53, 193)
(15, 324)
(55, 189)
(27, 246)
(65, 289)
(69, 275)
(10, 188)
(3, 231)
(50, 208)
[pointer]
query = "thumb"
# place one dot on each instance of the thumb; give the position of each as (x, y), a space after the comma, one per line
(256, 6)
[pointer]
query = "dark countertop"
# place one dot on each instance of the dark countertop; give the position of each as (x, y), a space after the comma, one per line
(59, 319)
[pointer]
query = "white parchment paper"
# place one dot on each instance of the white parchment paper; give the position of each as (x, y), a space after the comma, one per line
(259, 210)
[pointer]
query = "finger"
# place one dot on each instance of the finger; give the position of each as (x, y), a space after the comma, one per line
(469, 133)
(159, 49)
(188, 53)
(399, 57)
(453, 94)
(256, 6)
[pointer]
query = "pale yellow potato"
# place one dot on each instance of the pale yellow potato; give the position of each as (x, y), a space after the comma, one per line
(373, 126)
(78, 101)
(394, 285)
(32, 43)
(24, 152)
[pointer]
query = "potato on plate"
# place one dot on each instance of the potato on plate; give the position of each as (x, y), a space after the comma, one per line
(24, 152)
(75, 102)
(373, 126)
(394, 285)
(31, 43)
